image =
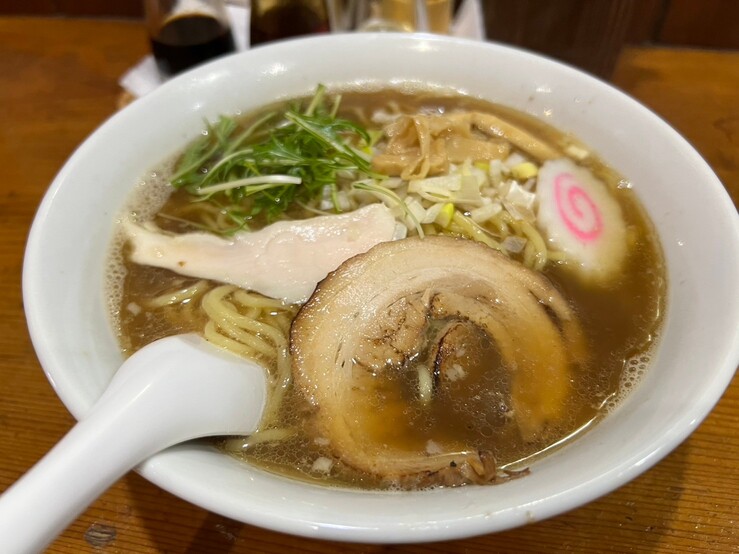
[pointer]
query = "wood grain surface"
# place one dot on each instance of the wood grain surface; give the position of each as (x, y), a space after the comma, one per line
(58, 81)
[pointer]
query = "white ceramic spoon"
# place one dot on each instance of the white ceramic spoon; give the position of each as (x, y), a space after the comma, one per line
(172, 390)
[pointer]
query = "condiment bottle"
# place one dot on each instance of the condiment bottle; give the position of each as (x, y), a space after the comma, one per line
(419, 15)
(279, 19)
(185, 33)
(392, 15)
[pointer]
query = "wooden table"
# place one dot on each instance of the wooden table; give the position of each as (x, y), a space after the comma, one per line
(58, 81)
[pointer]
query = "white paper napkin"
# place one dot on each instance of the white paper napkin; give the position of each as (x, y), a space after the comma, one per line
(144, 76)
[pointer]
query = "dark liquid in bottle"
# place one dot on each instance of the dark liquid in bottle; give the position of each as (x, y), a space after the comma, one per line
(186, 41)
(286, 19)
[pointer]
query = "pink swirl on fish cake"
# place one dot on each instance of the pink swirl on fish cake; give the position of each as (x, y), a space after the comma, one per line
(577, 209)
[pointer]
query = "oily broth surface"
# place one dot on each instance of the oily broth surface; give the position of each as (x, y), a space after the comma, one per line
(619, 321)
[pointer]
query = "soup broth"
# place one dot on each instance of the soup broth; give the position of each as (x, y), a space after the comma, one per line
(619, 318)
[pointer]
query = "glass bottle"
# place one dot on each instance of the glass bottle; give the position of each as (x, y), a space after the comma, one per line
(279, 19)
(407, 13)
(185, 33)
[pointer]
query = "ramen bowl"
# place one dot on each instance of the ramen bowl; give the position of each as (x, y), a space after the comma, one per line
(694, 361)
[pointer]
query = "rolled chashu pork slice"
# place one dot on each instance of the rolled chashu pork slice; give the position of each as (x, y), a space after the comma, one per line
(360, 340)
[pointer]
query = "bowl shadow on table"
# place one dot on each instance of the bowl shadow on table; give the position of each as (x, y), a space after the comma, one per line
(632, 518)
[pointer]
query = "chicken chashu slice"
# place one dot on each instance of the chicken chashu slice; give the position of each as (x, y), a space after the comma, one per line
(402, 303)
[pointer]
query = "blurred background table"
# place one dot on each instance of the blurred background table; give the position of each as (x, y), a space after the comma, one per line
(58, 82)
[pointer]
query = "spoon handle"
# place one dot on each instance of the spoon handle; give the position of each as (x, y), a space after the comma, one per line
(173, 390)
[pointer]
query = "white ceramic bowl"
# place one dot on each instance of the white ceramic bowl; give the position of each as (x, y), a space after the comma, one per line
(697, 223)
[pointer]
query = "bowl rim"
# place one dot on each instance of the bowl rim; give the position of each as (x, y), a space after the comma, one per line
(158, 469)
